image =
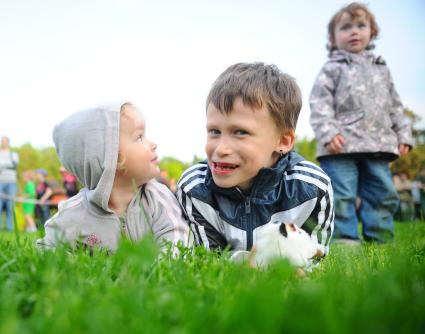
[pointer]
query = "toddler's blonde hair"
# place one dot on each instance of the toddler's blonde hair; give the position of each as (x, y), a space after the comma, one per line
(121, 158)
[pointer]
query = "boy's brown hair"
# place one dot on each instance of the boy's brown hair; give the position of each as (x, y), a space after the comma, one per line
(354, 9)
(258, 85)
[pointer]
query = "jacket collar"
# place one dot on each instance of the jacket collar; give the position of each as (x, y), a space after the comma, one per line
(348, 57)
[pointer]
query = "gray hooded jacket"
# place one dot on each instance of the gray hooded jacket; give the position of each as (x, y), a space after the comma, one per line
(354, 96)
(87, 145)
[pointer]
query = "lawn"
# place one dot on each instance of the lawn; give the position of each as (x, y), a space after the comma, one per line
(360, 289)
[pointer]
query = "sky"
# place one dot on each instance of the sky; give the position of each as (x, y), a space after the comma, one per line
(59, 56)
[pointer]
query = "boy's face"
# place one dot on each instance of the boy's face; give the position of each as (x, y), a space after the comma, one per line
(352, 34)
(240, 143)
(140, 158)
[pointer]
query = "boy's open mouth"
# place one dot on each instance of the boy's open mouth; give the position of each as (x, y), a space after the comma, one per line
(223, 167)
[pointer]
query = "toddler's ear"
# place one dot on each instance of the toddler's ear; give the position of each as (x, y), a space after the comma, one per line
(287, 141)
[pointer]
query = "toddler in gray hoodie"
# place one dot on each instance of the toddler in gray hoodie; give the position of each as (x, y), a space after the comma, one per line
(106, 148)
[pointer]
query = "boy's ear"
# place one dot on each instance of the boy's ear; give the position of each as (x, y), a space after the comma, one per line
(287, 141)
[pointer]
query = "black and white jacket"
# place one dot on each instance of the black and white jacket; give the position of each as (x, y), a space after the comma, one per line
(293, 191)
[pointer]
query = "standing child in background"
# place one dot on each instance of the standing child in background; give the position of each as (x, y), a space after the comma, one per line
(69, 182)
(254, 190)
(43, 193)
(29, 194)
(107, 149)
(8, 163)
(360, 127)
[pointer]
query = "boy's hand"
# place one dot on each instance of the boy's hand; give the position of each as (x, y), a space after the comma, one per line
(336, 144)
(404, 149)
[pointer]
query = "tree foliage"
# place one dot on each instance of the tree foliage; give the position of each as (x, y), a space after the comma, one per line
(31, 158)
(173, 166)
(307, 148)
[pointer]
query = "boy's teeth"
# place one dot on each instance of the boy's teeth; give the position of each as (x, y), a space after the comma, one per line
(226, 166)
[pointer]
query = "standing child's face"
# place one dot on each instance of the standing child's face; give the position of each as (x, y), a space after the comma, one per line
(352, 34)
(140, 158)
(240, 143)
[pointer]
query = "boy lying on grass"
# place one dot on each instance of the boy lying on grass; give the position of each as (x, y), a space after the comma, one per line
(252, 181)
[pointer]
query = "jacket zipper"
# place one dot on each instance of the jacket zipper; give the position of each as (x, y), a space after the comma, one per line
(123, 225)
(249, 230)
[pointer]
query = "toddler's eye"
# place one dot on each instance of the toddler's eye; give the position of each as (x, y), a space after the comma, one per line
(213, 132)
(140, 137)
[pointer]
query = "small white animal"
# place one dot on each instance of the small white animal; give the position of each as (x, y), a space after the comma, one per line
(282, 240)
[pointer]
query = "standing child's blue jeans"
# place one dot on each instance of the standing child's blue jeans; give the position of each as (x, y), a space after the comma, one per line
(371, 181)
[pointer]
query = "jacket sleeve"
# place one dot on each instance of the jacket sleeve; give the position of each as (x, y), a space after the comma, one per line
(60, 230)
(400, 123)
(319, 223)
(204, 232)
(323, 217)
(322, 116)
(168, 222)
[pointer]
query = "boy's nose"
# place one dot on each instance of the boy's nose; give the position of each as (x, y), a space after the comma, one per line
(223, 148)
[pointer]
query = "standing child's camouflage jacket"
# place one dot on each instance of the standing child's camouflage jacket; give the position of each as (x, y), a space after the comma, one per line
(354, 95)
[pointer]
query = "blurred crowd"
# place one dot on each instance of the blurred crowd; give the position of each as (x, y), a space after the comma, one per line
(39, 197)
(412, 196)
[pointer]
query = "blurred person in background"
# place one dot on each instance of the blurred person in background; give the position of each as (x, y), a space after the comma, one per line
(404, 188)
(8, 163)
(29, 207)
(420, 179)
(43, 192)
(69, 182)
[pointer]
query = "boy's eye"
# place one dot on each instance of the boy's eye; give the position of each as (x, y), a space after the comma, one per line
(346, 27)
(240, 132)
(140, 137)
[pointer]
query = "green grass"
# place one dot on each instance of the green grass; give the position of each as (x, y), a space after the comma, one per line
(366, 289)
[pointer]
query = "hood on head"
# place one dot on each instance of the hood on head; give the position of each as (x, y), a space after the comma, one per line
(87, 144)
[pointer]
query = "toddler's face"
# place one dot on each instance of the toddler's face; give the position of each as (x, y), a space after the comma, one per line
(139, 154)
(352, 34)
(240, 143)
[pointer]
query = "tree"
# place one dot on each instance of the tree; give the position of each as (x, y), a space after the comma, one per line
(307, 148)
(173, 166)
(31, 158)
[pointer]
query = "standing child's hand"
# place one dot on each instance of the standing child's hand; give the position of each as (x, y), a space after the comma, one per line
(404, 149)
(336, 144)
